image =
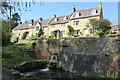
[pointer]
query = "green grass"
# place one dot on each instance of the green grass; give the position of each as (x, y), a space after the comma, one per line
(13, 54)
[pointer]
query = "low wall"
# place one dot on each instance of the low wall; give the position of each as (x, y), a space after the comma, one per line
(83, 55)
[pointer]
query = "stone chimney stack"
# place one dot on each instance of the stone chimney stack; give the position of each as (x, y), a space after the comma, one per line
(73, 9)
(20, 22)
(54, 15)
(32, 21)
(40, 19)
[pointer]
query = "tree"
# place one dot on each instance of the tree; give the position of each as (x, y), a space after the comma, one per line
(40, 32)
(70, 29)
(102, 26)
(5, 33)
(15, 20)
(7, 8)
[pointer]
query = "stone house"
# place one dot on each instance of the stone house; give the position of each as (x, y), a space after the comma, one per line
(78, 19)
(115, 29)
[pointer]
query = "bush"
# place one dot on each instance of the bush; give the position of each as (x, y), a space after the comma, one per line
(40, 32)
(24, 35)
(112, 35)
(76, 35)
(51, 37)
(71, 30)
(33, 38)
(5, 32)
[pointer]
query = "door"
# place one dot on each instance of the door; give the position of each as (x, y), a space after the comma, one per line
(85, 31)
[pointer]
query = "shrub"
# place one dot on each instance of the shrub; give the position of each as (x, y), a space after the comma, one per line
(40, 32)
(4, 28)
(33, 38)
(24, 35)
(71, 30)
(76, 35)
(112, 35)
(51, 37)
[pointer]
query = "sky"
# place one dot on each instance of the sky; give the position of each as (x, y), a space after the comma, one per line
(48, 9)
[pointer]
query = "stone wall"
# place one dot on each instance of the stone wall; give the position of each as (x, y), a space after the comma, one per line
(83, 55)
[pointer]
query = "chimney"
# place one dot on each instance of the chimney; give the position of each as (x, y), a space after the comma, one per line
(73, 9)
(40, 19)
(20, 22)
(54, 15)
(32, 21)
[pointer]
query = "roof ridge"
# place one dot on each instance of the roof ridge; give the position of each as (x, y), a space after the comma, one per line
(87, 9)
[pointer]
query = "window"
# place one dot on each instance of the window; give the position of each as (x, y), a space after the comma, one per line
(90, 31)
(76, 32)
(78, 14)
(76, 23)
(94, 12)
(37, 28)
(53, 25)
(62, 25)
(56, 19)
(65, 18)
(62, 32)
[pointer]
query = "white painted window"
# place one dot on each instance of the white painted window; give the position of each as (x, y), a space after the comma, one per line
(65, 18)
(76, 32)
(62, 25)
(37, 28)
(76, 23)
(94, 12)
(78, 14)
(52, 25)
(62, 32)
(56, 19)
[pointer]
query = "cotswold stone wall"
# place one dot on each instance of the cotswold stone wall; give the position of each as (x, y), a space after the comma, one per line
(83, 55)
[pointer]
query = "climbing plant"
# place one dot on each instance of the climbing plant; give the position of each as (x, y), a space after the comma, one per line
(70, 30)
(40, 32)
(24, 35)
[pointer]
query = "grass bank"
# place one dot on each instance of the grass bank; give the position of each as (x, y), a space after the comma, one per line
(13, 54)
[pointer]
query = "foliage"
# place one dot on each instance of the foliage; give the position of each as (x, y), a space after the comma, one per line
(70, 29)
(5, 33)
(112, 35)
(94, 23)
(13, 54)
(77, 36)
(15, 20)
(34, 37)
(51, 37)
(102, 26)
(40, 32)
(24, 35)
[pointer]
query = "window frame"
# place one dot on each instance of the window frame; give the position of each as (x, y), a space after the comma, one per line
(37, 28)
(62, 25)
(76, 23)
(53, 25)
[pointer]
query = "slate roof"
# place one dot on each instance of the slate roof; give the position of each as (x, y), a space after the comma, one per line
(26, 25)
(115, 27)
(45, 22)
(60, 20)
(86, 13)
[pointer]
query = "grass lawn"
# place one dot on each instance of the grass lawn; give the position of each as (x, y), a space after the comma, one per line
(13, 54)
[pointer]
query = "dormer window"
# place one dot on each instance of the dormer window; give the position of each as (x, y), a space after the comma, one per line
(65, 18)
(30, 25)
(96, 11)
(93, 12)
(56, 19)
(37, 28)
(78, 14)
